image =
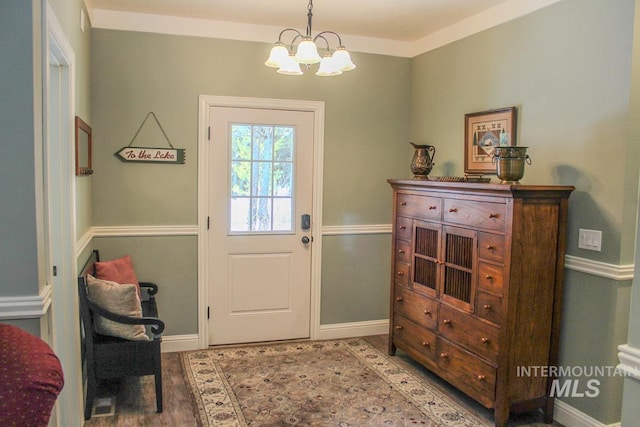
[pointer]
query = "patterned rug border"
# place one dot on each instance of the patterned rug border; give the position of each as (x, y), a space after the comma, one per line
(225, 410)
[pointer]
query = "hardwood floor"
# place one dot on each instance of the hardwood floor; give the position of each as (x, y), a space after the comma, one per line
(135, 397)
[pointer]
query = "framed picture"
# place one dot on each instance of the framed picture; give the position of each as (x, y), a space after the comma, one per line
(482, 132)
(83, 148)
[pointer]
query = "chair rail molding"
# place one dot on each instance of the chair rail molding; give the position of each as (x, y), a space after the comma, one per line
(629, 361)
(574, 263)
(25, 306)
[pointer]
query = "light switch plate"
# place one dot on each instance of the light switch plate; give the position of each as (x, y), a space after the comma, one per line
(590, 239)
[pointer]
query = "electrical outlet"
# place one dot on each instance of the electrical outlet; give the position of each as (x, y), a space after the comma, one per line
(590, 239)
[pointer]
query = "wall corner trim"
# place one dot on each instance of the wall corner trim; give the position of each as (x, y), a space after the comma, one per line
(629, 361)
(25, 306)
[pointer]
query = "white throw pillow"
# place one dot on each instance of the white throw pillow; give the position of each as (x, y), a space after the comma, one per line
(120, 299)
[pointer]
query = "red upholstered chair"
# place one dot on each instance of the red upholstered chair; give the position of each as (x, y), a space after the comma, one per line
(30, 378)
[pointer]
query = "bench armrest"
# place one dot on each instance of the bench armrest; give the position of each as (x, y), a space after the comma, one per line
(152, 288)
(157, 325)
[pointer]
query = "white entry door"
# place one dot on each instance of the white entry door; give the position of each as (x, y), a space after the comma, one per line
(260, 201)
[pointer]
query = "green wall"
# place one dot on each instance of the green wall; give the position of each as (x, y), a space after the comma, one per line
(567, 68)
(19, 86)
(366, 140)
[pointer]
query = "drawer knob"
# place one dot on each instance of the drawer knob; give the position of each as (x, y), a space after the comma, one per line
(398, 328)
(427, 312)
(403, 203)
(432, 207)
(446, 322)
(488, 277)
(443, 355)
(487, 306)
(490, 247)
(494, 216)
(400, 251)
(426, 344)
(402, 227)
(481, 377)
(484, 340)
(399, 299)
(453, 210)
(400, 273)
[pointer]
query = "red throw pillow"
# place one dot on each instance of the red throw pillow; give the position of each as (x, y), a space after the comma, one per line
(118, 270)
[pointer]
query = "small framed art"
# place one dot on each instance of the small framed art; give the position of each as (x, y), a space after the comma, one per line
(482, 132)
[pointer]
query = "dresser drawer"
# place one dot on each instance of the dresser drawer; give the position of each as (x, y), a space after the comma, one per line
(401, 273)
(403, 251)
(491, 246)
(476, 214)
(418, 308)
(489, 307)
(411, 335)
(470, 374)
(490, 277)
(468, 331)
(404, 228)
(423, 207)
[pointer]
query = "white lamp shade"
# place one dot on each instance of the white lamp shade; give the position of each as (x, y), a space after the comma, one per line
(278, 54)
(328, 67)
(343, 59)
(307, 52)
(290, 67)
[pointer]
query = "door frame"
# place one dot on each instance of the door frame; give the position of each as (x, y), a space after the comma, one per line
(317, 108)
(56, 196)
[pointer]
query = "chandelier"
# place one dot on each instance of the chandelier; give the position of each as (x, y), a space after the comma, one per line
(287, 61)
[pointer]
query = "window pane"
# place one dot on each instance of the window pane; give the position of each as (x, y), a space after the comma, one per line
(282, 214)
(241, 142)
(282, 179)
(240, 207)
(260, 214)
(262, 142)
(283, 144)
(240, 178)
(261, 179)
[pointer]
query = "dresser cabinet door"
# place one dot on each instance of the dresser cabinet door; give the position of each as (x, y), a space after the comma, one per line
(426, 257)
(458, 286)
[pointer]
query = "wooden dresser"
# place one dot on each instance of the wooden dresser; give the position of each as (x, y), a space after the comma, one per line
(476, 287)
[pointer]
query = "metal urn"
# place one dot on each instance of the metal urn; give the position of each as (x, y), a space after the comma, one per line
(510, 163)
(422, 161)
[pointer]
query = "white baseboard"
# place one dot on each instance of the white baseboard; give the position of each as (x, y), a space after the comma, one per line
(175, 343)
(569, 416)
(354, 329)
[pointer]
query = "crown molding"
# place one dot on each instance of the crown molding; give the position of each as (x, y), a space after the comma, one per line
(497, 15)
(163, 24)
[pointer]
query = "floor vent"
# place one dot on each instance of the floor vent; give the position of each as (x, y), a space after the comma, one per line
(104, 406)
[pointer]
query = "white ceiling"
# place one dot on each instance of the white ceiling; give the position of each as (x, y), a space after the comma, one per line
(401, 24)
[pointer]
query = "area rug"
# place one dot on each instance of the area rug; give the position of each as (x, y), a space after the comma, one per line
(314, 383)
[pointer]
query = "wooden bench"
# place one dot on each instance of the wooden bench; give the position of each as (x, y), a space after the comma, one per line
(108, 357)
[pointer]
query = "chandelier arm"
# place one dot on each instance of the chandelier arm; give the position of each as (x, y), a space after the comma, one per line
(320, 36)
(329, 32)
(299, 34)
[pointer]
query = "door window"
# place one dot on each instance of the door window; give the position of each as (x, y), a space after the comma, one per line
(261, 185)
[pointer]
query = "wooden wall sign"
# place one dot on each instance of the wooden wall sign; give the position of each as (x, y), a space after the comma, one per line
(151, 155)
(130, 153)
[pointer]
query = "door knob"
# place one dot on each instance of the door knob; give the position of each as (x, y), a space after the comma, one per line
(305, 240)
